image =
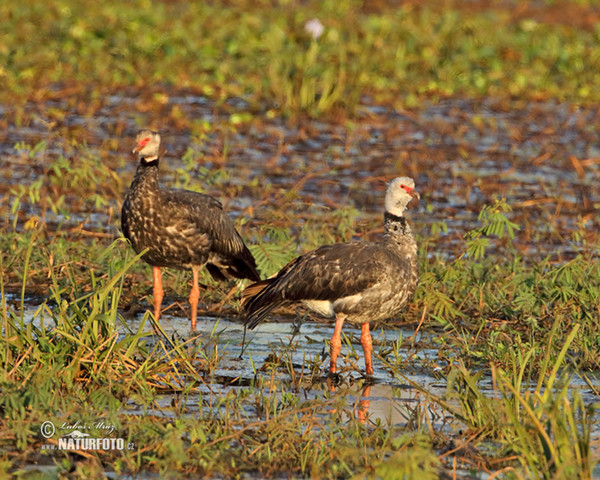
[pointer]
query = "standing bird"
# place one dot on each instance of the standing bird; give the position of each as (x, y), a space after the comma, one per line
(180, 228)
(359, 282)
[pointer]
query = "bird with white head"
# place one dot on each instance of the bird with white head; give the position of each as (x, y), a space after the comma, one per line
(180, 228)
(358, 282)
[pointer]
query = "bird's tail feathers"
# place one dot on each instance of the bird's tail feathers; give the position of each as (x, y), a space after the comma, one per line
(254, 289)
(236, 268)
(245, 267)
(258, 300)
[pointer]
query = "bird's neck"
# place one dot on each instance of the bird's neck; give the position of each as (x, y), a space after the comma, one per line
(146, 175)
(399, 238)
(395, 226)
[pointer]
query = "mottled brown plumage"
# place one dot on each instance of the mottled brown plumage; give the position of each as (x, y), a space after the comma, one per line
(358, 282)
(180, 228)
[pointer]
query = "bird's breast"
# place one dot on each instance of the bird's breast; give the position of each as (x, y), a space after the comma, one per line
(170, 240)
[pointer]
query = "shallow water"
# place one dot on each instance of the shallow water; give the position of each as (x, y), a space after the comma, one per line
(420, 370)
(391, 396)
(400, 394)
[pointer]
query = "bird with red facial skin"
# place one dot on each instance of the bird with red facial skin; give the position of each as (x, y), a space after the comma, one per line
(180, 228)
(357, 282)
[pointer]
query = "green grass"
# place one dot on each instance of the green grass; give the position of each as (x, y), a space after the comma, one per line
(401, 55)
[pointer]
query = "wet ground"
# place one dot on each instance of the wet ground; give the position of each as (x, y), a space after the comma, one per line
(406, 382)
(392, 392)
(544, 158)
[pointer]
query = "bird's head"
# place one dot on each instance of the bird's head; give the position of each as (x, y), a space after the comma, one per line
(147, 145)
(400, 191)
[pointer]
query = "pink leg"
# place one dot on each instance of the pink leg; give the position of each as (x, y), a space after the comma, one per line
(367, 344)
(336, 344)
(194, 296)
(157, 292)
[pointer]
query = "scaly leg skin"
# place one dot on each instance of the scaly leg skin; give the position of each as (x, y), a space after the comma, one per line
(367, 344)
(336, 344)
(157, 292)
(194, 296)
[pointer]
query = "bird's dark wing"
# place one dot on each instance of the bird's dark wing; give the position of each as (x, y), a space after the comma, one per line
(328, 273)
(203, 215)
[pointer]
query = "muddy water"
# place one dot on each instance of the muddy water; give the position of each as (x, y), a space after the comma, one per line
(392, 397)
